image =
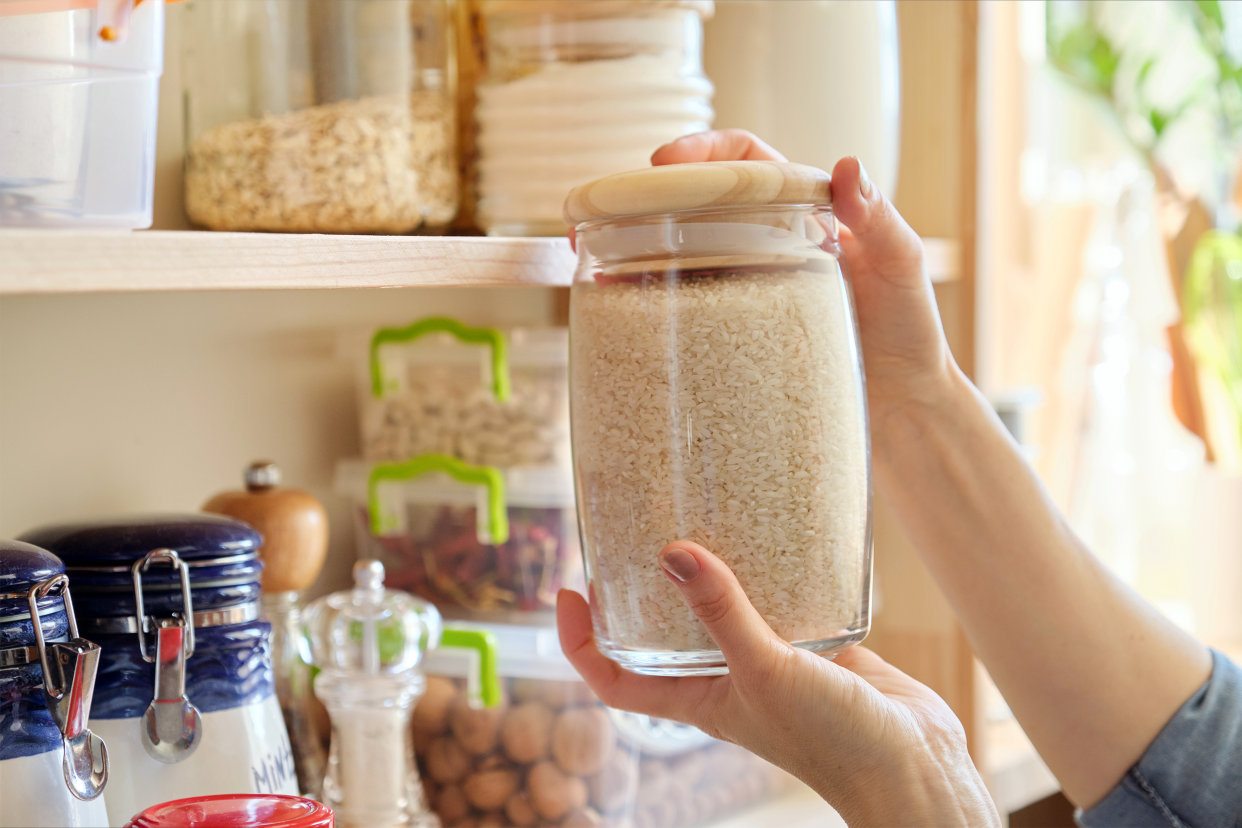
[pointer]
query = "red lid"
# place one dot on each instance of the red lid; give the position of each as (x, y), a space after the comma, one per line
(236, 811)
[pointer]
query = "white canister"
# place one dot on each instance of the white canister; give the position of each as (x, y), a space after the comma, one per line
(187, 709)
(40, 784)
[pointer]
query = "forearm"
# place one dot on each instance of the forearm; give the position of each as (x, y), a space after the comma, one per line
(1091, 671)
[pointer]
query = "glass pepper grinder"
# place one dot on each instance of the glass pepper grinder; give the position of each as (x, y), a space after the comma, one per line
(294, 527)
(369, 643)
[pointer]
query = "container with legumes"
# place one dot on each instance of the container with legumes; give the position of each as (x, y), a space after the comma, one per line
(717, 396)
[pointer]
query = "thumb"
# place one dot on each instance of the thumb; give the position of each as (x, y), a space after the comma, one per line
(879, 240)
(717, 599)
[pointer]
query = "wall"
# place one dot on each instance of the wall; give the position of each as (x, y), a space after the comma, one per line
(143, 402)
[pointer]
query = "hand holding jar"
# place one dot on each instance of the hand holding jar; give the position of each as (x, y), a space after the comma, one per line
(879, 746)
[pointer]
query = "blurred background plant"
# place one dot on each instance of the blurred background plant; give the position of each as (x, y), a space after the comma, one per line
(1170, 76)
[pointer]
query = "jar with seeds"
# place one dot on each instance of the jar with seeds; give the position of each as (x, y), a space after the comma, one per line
(320, 116)
(717, 396)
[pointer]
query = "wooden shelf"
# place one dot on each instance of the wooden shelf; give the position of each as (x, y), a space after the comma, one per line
(800, 808)
(51, 261)
(1015, 775)
(48, 261)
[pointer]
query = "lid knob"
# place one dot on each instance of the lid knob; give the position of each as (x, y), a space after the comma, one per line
(369, 575)
(262, 475)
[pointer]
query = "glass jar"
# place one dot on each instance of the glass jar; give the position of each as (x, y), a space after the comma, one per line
(578, 90)
(320, 116)
(79, 85)
(717, 397)
(185, 697)
(52, 770)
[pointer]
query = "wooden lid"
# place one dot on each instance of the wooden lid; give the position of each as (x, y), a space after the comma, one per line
(697, 186)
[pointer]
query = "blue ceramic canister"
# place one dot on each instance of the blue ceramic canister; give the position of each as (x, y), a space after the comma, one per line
(52, 768)
(185, 695)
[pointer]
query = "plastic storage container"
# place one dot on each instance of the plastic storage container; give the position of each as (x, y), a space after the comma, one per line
(577, 90)
(481, 395)
(476, 541)
(79, 86)
(236, 811)
(41, 715)
(320, 116)
(718, 397)
(551, 754)
(187, 709)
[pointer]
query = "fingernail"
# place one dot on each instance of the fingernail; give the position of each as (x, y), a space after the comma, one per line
(680, 564)
(864, 180)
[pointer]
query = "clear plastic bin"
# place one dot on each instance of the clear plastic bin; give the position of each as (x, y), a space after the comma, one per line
(79, 88)
(482, 395)
(552, 755)
(442, 538)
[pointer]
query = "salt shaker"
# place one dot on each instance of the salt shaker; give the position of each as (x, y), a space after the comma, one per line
(369, 643)
(294, 527)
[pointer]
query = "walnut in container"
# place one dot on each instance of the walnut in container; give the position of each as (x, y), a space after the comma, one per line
(551, 754)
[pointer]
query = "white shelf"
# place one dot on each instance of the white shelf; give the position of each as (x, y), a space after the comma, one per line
(52, 261)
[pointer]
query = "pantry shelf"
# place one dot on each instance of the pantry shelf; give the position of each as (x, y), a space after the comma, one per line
(52, 261)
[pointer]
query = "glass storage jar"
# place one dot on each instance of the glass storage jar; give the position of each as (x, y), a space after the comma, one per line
(577, 90)
(320, 116)
(79, 85)
(717, 396)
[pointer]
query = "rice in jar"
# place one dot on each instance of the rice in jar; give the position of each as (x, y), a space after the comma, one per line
(717, 396)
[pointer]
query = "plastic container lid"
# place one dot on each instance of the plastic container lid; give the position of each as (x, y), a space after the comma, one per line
(236, 811)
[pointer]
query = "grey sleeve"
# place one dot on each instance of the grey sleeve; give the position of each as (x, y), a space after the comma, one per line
(1191, 775)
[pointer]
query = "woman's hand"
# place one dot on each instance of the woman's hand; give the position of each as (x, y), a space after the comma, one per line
(904, 349)
(878, 746)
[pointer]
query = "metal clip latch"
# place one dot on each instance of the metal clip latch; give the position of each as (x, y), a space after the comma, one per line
(68, 686)
(171, 725)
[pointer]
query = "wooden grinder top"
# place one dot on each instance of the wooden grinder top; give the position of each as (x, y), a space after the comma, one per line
(293, 524)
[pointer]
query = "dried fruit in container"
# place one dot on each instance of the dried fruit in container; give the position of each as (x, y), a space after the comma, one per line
(473, 539)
